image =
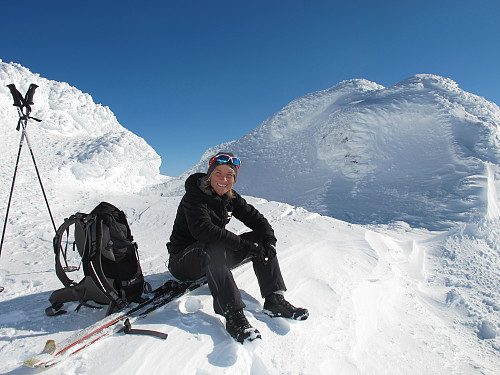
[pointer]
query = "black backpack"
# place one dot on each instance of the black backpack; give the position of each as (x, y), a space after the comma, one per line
(102, 245)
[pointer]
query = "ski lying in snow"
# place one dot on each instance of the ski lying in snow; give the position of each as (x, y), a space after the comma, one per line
(54, 353)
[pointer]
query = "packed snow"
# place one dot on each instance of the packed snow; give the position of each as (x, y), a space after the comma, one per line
(396, 154)
(384, 202)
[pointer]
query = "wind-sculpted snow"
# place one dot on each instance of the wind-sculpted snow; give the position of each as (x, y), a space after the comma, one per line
(374, 294)
(77, 141)
(368, 154)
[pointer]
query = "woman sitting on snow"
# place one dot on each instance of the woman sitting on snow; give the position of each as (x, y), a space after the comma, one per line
(200, 245)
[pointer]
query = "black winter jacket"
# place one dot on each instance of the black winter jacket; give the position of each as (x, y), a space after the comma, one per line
(202, 216)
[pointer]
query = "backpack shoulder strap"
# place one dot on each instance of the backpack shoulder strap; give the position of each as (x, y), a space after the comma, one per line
(61, 249)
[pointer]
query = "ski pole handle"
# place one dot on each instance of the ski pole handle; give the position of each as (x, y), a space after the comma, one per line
(18, 98)
(28, 99)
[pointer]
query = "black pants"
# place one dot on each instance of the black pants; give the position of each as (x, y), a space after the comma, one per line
(215, 261)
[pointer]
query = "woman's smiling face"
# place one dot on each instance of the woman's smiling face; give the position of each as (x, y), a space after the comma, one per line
(222, 179)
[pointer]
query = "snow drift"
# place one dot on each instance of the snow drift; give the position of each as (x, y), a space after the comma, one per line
(384, 298)
(79, 141)
(368, 154)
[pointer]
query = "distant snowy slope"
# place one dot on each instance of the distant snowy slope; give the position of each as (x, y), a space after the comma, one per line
(368, 154)
(78, 141)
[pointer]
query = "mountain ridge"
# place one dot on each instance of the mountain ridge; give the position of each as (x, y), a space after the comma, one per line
(358, 142)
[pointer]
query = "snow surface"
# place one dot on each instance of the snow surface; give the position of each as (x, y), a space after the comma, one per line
(368, 154)
(407, 283)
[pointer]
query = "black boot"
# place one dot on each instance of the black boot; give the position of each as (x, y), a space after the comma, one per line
(239, 328)
(276, 305)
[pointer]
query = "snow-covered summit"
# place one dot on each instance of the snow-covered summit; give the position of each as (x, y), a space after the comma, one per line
(78, 141)
(368, 154)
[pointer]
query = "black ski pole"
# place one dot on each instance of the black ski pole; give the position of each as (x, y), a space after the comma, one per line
(39, 178)
(24, 109)
(11, 190)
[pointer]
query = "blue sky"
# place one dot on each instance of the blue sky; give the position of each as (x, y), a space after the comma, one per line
(191, 74)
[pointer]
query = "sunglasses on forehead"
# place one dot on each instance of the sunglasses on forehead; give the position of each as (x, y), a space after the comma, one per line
(224, 158)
